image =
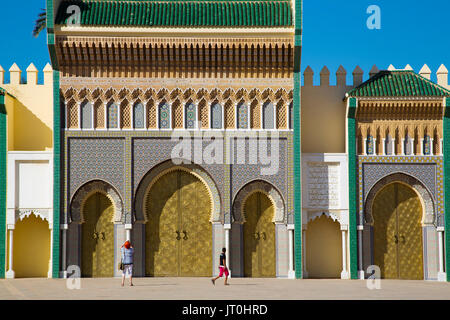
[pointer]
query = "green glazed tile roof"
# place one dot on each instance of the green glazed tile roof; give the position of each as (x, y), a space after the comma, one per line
(398, 84)
(181, 13)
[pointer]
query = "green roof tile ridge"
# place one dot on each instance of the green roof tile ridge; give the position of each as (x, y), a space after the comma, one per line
(399, 83)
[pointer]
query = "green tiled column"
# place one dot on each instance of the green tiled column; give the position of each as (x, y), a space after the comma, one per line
(351, 134)
(56, 142)
(3, 153)
(297, 142)
(446, 152)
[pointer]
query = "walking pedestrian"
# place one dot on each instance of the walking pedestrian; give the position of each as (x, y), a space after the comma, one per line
(223, 269)
(127, 252)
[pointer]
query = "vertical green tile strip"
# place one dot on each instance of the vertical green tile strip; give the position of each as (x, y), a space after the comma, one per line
(446, 145)
(56, 142)
(297, 141)
(351, 133)
(3, 153)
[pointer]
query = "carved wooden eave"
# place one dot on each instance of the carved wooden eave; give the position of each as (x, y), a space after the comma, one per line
(175, 57)
(400, 109)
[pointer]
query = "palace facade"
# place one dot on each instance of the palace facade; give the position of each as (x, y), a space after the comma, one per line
(180, 126)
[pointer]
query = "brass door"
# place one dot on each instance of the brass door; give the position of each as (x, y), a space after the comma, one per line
(98, 237)
(397, 213)
(162, 258)
(259, 237)
(179, 234)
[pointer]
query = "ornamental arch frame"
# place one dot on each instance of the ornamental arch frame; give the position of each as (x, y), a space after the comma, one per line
(429, 217)
(266, 188)
(156, 172)
(85, 191)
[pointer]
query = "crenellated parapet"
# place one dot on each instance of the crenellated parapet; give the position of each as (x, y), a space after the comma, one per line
(358, 75)
(32, 74)
(388, 113)
(31, 106)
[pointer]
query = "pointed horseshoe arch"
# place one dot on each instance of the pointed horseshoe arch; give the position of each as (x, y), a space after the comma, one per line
(88, 189)
(259, 186)
(429, 215)
(165, 167)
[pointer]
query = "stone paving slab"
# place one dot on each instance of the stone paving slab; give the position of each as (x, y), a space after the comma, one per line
(202, 289)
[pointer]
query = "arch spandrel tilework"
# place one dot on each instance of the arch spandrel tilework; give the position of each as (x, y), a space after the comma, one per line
(266, 188)
(428, 170)
(429, 214)
(85, 191)
(95, 158)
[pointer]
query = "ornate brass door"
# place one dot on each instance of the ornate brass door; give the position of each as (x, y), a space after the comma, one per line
(162, 256)
(397, 213)
(98, 237)
(259, 237)
(179, 234)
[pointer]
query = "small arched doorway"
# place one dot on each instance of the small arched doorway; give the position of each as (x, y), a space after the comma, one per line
(323, 248)
(97, 235)
(259, 236)
(178, 230)
(31, 248)
(397, 232)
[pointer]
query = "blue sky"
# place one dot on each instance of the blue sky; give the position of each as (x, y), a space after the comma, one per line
(334, 33)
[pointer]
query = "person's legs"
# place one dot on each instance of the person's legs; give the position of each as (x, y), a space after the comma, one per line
(219, 276)
(123, 277)
(226, 277)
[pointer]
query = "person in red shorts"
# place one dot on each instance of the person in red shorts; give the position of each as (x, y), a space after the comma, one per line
(222, 268)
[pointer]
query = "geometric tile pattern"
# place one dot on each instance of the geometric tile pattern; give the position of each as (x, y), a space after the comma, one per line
(113, 117)
(164, 115)
(189, 114)
(86, 115)
(96, 159)
(138, 116)
(216, 116)
(242, 112)
(242, 174)
(268, 114)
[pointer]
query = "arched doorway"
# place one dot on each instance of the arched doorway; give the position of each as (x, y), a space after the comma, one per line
(31, 247)
(323, 248)
(178, 230)
(97, 237)
(397, 232)
(259, 237)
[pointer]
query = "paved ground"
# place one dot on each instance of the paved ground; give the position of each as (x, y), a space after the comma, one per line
(202, 289)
